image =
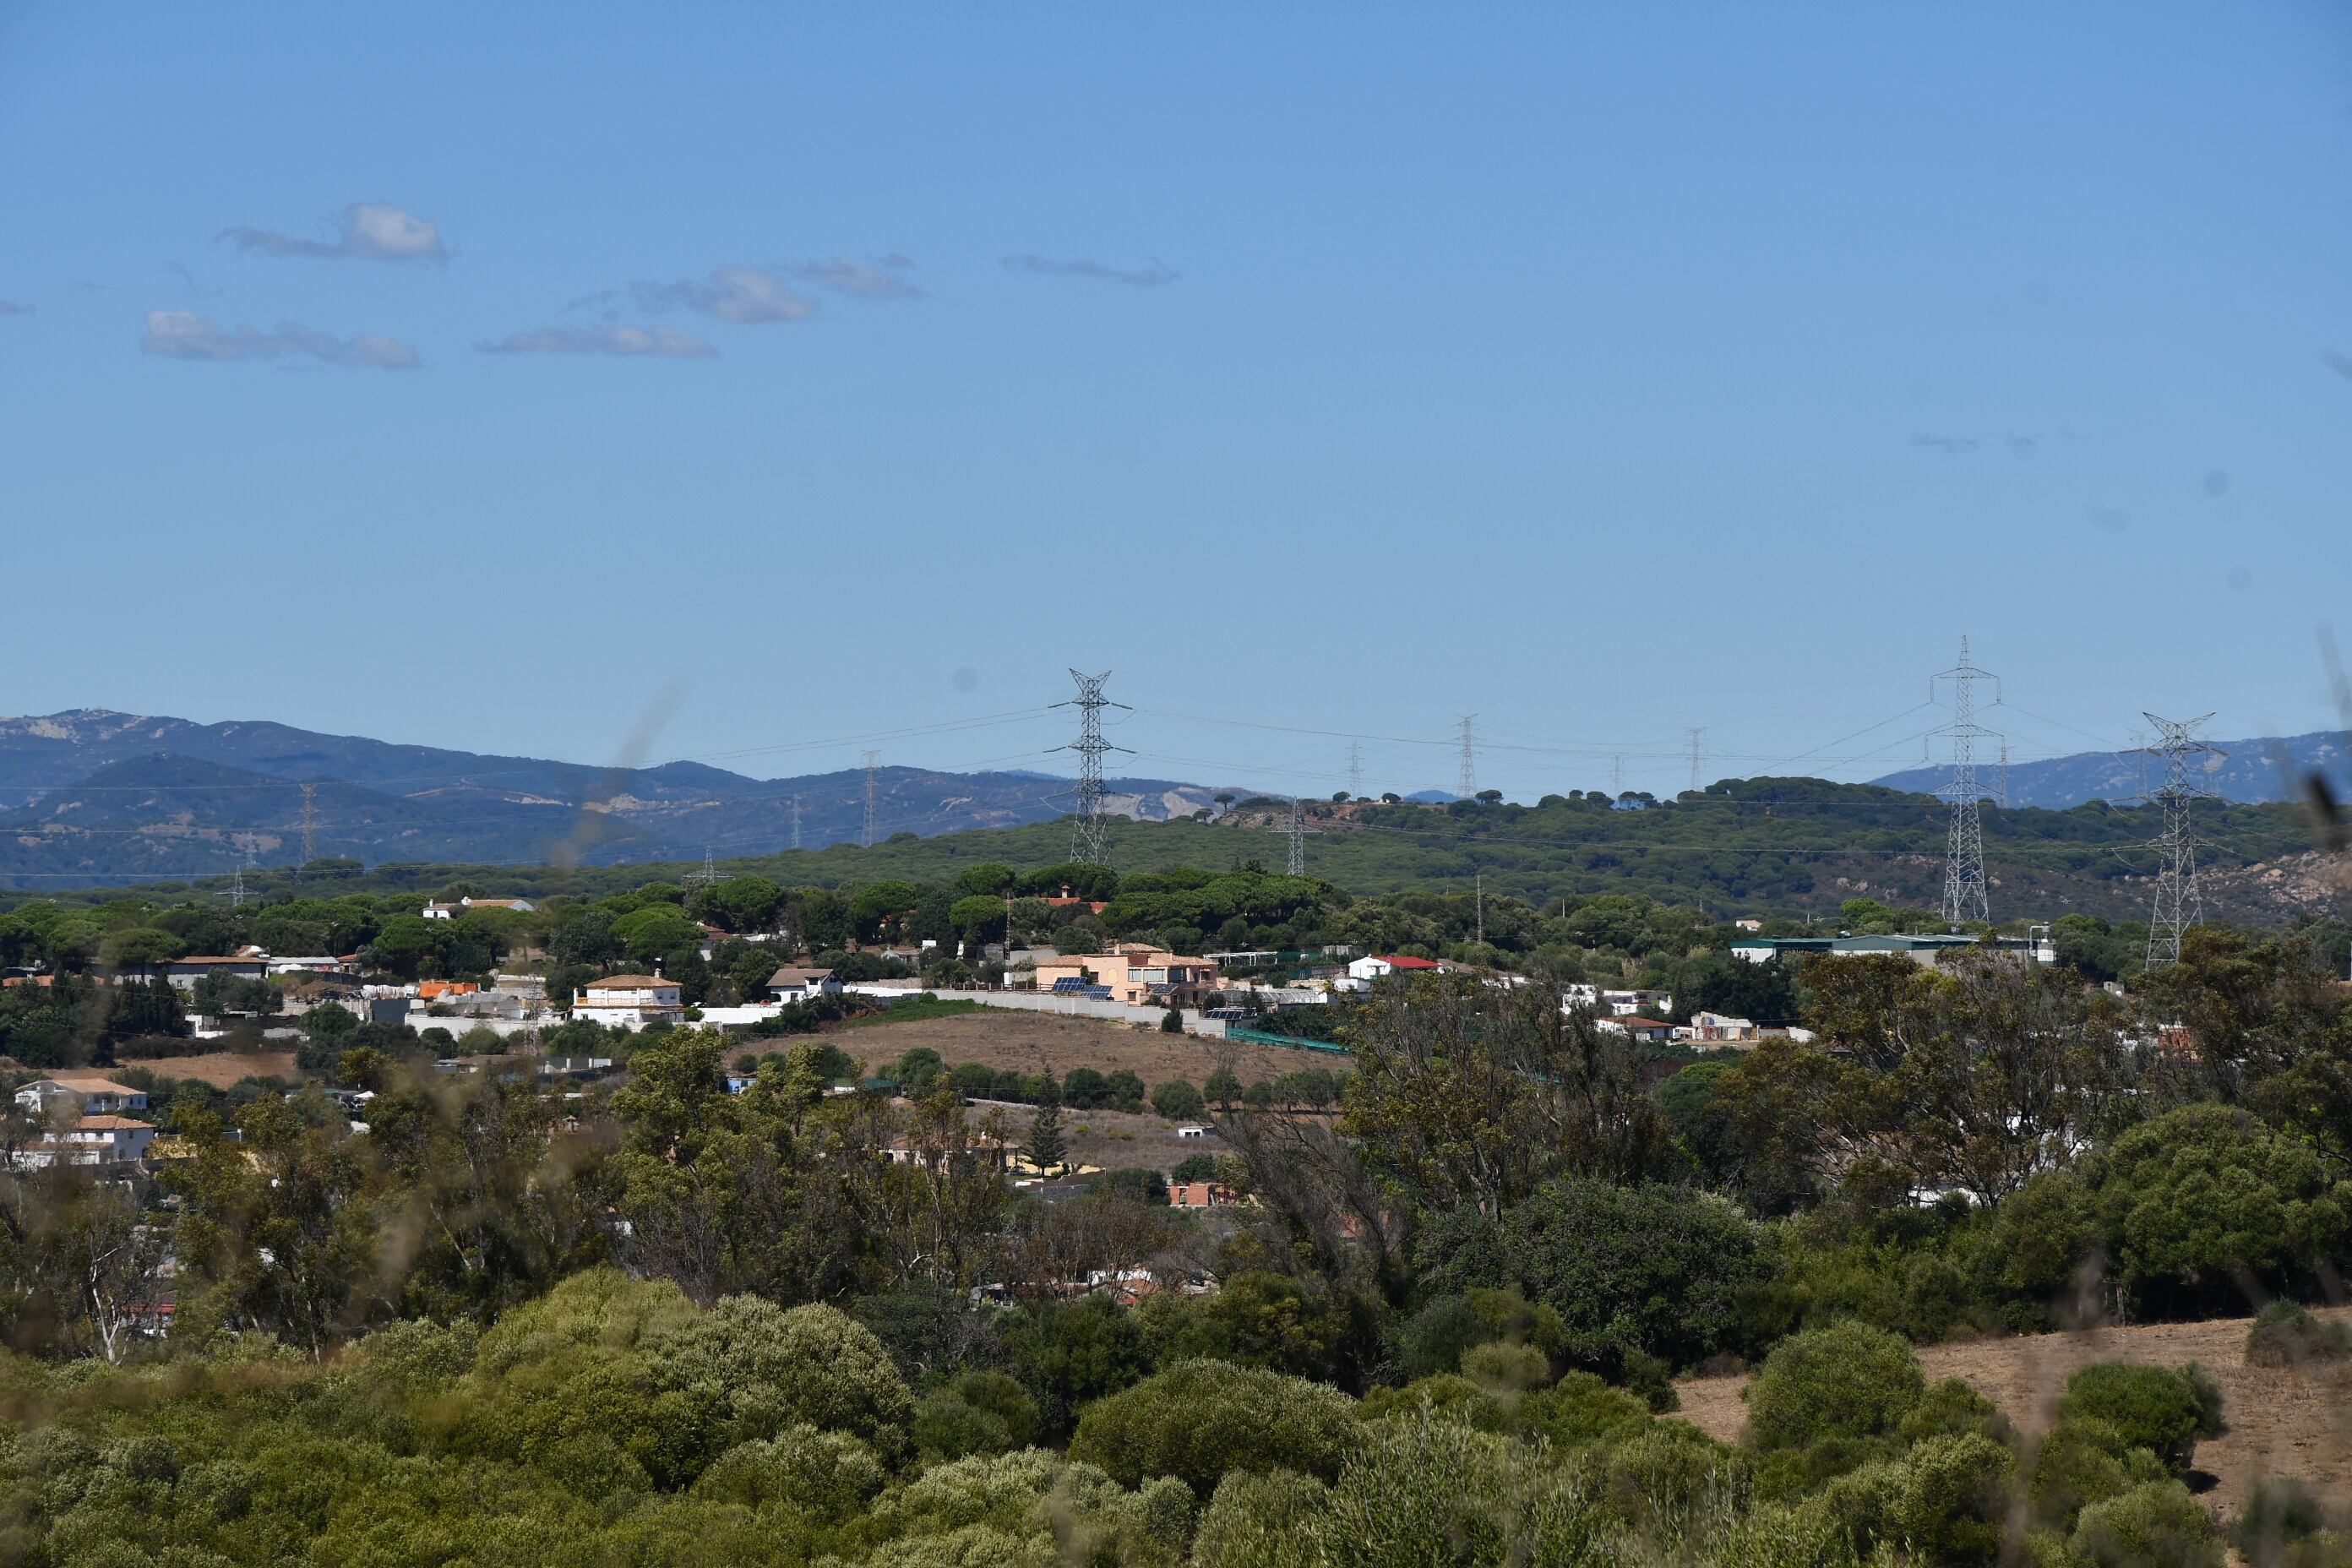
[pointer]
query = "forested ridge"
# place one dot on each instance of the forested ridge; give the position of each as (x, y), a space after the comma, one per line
(1760, 846)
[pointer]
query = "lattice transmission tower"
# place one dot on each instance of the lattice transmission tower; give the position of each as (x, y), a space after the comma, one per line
(1469, 759)
(1089, 842)
(1355, 767)
(2178, 906)
(866, 833)
(309, 823)
(1697, 738)
(706, 877)
(1965, 894)
(1294, 835)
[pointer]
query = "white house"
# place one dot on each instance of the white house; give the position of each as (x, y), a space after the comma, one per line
(87, 1091)
(1380, 966)
(628, 1001)
(440, 911)
(1615, 1003)
(90, 1141)
(793, 983)
(1717, 1029)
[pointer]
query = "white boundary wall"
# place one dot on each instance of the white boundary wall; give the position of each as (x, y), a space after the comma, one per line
(1047, 1001)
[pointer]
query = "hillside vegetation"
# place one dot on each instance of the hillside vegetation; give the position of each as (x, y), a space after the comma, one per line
(1797, 847)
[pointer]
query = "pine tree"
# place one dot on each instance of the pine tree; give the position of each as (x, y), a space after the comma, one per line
(1044, 1146)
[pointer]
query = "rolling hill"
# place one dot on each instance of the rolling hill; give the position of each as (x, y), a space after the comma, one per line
(113, 796)
(2265, 768)
(1745, 847)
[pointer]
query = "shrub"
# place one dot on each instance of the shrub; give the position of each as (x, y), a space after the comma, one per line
(1951, 1407)
(1199, 1419)
(1437, 1337)
(1506, 1369)
(1655, 1269)
(1845, 1381)
(1444, 1395)
(1580, 1409)
(1663, 1474)
(979, 1413)
(1426, 1492)
(2161, 1409)
(2081, 1461)
(775, 1368)
(2285, 1335)
(2196, 1199)
(2156, 1525)
(1953, 1498)
(2279, 1515)
(1178, 1100)
(823, 1475)
(1263, 1521)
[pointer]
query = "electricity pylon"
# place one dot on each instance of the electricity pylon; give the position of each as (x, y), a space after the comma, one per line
(1965, 895)
(2178, 906)
(1089, 843)
(1294, 834)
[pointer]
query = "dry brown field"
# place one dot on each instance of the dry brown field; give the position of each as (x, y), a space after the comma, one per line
(1045, 1042)
(222, 1068)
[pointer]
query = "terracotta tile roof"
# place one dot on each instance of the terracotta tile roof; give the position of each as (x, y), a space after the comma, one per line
(628, 983)
(108, 1124)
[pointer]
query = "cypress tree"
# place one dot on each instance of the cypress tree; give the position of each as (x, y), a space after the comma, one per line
(1044, 1146)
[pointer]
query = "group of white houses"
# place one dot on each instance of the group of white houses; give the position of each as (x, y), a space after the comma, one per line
(633, 1001)
(85, 1121)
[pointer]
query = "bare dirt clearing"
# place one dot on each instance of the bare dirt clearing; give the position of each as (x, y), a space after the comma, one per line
(2293, 1422)
(221, 1068)
(1043, 1042)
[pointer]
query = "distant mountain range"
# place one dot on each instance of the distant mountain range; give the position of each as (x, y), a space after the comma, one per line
(99, 795)
(2267, 768)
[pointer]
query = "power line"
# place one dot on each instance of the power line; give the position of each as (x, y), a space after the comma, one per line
(2178, 905)
(1089, 842)
(1965, 894)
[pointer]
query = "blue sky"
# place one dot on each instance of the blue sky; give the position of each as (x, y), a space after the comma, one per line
(1603, 372)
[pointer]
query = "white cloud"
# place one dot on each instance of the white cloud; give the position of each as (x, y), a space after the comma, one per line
(747, 296)
(878, 280)
(365, 231)
(1157, 275)
(639, 343)
(182, 334)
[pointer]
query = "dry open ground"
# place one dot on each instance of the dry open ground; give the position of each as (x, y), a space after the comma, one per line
(1043, 1042)
(222, 1068)
(2293, 1422)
